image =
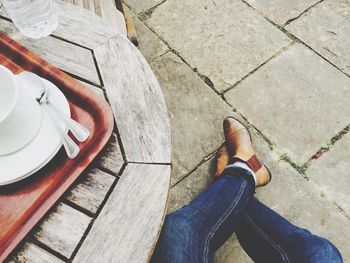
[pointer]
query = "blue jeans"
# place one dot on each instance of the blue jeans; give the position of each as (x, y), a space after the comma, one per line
(193, 233)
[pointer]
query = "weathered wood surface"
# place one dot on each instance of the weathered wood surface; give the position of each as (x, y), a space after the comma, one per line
(89, 5)
(132, 35)
(79, 25)
(61, 54)
(71, 21)
(31, 253)
(111, 158)
(62, 229)
(129, 221)
(107, 10)
(112, 16)
(79, 3)
(98, 10)
(23, 204)
(137, 101)
(91, 189)
(95, 89)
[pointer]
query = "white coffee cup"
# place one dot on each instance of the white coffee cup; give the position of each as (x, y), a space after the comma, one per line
(20, 113)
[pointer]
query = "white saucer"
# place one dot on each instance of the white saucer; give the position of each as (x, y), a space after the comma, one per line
(41, 149)
(23, 125)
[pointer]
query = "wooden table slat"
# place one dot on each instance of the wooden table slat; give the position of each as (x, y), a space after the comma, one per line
(90, 191)
(129, 221)
(136, 100)
(82, 27)
(63, 229)
(111, 158)
(31, 253)
(73, 19)
(127, 228)
(95, 89)
(64, 55)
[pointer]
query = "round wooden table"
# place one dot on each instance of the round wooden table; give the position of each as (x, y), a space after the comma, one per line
(115, 211)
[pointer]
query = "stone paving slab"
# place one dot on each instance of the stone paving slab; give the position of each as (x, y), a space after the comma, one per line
(298, 100)
(331, 173)
(289, 194)
(150, 45)
(196, 114)
(326, 28)
(224, 40)
(302, 203)
(281, 11)
(232, 252)
(191, 186)
(296, 85)
(140, 6)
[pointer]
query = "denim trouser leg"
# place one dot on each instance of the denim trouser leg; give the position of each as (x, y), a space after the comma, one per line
(268, 237)
(193, 233)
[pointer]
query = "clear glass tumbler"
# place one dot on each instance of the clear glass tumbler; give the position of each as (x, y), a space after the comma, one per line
(34, 18)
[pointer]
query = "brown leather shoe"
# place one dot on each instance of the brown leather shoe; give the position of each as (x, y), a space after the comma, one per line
(240, 148)
(222, 159)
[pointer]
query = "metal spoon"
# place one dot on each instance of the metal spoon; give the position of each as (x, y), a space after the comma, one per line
(55, 115)
(78, 130)
(69, 145)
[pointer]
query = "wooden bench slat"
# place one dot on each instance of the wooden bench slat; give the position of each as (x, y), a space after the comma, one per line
(89, 5)
(113, 16)
(78, 3)
(98, 10)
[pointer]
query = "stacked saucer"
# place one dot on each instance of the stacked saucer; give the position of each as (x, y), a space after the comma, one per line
(28, 139)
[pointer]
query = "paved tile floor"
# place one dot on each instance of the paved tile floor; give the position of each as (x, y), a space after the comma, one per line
(284, 67)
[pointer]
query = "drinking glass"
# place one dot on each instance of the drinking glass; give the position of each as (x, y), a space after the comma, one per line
(33, 18)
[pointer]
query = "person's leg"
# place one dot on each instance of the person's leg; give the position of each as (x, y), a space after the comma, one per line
(268, 237)
(193, 233)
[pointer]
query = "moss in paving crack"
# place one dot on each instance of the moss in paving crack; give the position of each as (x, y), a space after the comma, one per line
(206, 79)
(272, 146)
(326, 147)
(147, 14)
(286, 158)
(322, 150)
(340, 134)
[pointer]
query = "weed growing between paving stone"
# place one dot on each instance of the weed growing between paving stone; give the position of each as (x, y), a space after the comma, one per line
(300, 169)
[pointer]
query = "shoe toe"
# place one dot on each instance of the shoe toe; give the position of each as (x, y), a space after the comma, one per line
(232, 126)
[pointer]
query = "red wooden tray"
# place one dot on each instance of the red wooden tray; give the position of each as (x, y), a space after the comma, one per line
(23, 204)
